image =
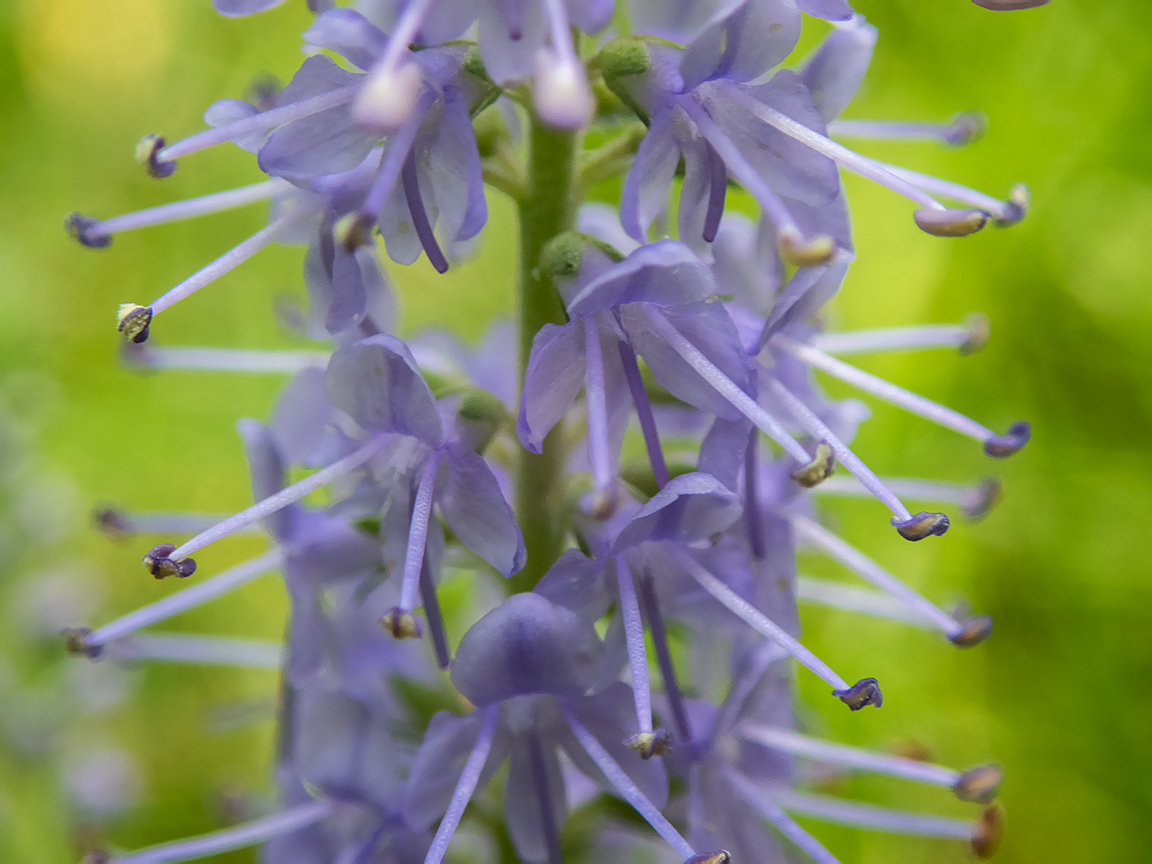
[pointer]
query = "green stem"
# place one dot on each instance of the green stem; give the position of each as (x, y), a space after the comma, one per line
(548, 208)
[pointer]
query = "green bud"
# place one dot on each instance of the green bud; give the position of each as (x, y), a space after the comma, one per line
(622, 58)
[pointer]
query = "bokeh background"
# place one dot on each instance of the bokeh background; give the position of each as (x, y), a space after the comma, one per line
(1060, 694)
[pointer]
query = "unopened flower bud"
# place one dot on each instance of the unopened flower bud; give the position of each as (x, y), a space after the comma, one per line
(159, 564)
(622, 58)
(922, 525)
(864, 692)
(478, 419)
(649, 744)
(148, 155)
(949, 222)
(387, 98)
(562, 96)
(133, 321)
(821, 467)
(980, 784)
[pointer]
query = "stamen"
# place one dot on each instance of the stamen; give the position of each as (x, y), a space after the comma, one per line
(644, 413)
(848, 598)
(201, 650)
(994, 445)
(989, 830)
(960, 130)
(817, 429)
(392, 162)
(796, 249)
(551, 829)
(637, 653)
(761, 623)
(1009, 5)
(255, 123)
(664, 658)
(818, 470)
(787, 741)
(237, 837)
(727, 388)
(98, 234)
(465, 786)
(949, 222)
(780, 820)
(870, 571)
(133, 320)
(418, 532)
(753, 518)
(856, 815)
(861, 694)
(838, 153)
(975, 500)
(160, 563)
(624, 785)
(181, 601)
(435, 617)
(117, 523)
(401, 624)
(596, 400)
(288, 495)
(717, 191)
(231, 259)
(239, 360)
(980, 784)
(1004, 213)
(967, 338)
(420, 216)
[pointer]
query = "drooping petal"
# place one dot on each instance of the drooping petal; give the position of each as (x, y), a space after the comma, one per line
(377, 383)
(664, 273)
(474, 508)
(554, 376)
(301, 418)
(447, 744)
(645, 192)
(690, 507)
(577, 583)
(742, 44)
(349, 34)
(832, 73)
(526, 645)
(522, 806)
(829, 10)
(790, 168)
(327, 142)
(708, 327)
(455, 175)
(267, 470)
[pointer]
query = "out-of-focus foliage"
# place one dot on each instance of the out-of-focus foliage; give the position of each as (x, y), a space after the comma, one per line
(1056, 694)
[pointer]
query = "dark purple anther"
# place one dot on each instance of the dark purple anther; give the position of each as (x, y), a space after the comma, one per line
(420, 216)
(1001, 446)
(718, 190)
(644, 413)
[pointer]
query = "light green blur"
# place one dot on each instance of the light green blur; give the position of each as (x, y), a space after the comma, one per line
(1059, 694)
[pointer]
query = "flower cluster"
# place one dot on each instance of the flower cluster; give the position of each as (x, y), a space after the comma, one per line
(641, 474)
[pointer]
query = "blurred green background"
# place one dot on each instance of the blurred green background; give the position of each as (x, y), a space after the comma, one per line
(1059, 694)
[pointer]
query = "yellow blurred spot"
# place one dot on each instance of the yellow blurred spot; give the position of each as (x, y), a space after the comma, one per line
(73, 49)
